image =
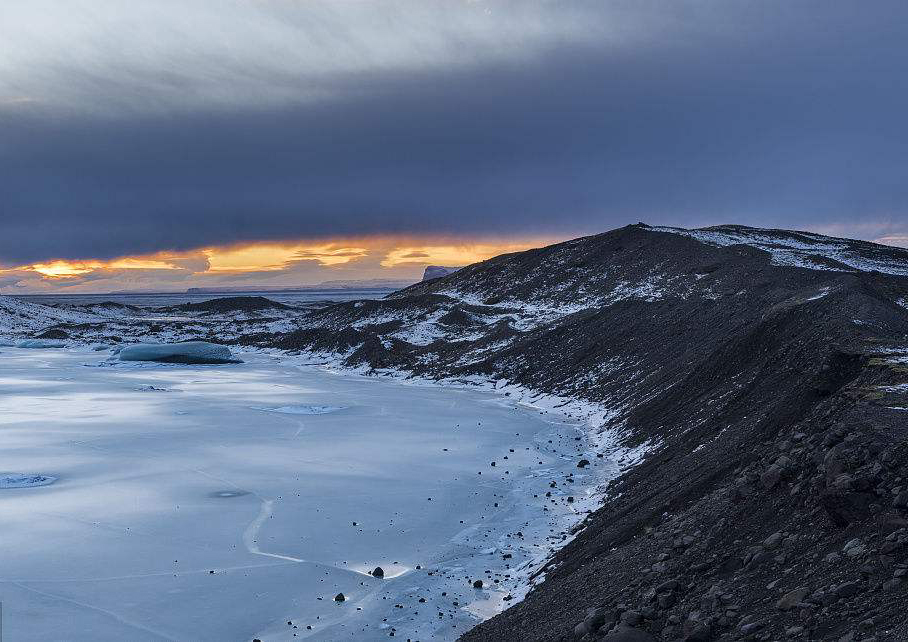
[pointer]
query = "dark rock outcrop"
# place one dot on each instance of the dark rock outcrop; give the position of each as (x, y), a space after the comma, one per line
(230, 304)
(437, 271)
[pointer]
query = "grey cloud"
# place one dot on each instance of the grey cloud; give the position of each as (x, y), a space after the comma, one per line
(773, 113)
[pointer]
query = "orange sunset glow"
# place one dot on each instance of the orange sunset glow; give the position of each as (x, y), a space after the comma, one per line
(65, 269)
(267, 257)
(283, 263)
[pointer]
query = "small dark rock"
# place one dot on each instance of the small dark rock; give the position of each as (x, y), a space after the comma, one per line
(699, 632)
(792, 599)
(847, 589)
(628, 634)
(631, 618)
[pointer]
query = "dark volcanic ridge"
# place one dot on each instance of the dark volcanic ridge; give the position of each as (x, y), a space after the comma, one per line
(764, 371)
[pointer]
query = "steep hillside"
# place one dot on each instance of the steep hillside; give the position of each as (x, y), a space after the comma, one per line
(613, 318)
(766, 373)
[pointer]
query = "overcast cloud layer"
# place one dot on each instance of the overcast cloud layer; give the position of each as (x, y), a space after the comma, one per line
(135, 127)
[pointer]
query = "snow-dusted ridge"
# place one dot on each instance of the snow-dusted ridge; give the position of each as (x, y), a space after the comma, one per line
(803, 249)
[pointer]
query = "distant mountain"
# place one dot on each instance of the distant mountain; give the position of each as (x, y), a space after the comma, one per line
(437, 271)
(355, 284)
(224, 305)
(341, 284)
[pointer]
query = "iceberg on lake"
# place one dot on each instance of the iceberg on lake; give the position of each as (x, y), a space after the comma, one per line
(188, 352)
(41, 343)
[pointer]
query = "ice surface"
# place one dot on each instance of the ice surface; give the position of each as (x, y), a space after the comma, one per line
(196, 516)
(304, 409)
(18, 480)
(188, 352)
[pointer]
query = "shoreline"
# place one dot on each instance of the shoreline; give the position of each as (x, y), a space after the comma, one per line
(476, 550)
(588, 419)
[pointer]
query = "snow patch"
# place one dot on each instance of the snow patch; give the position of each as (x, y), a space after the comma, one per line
(648, 290)
(819, 295)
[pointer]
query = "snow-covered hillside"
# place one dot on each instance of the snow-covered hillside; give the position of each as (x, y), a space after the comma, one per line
(19, 317)
(220, 320)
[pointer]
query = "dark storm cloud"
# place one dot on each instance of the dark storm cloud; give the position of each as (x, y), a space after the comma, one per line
(769, 113)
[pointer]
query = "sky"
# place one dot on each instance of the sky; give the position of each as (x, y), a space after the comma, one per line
(164, 144)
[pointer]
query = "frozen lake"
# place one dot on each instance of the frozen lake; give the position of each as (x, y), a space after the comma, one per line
(234, 502)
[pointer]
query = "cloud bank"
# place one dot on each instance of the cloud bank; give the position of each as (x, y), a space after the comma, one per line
(132, 128)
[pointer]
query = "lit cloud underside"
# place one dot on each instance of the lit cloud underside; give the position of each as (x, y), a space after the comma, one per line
(274, 257)
(68, 269)
(449, 255)
(265, 264)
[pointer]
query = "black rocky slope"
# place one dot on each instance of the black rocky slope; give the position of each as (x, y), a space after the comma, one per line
(766, 371)
(229, 304)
